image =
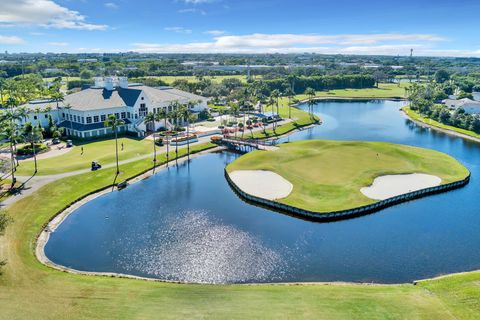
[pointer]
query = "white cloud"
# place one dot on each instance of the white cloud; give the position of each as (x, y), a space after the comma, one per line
(11, 40)
(259, 40)
(58, 44)
(215, 32)
(44, 13)
(198, 1)
(111, 5)
(178, 29)
(193, 10)
(393, 49)
(384, 43)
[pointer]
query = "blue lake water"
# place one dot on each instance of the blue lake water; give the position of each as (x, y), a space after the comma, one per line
(186, 224)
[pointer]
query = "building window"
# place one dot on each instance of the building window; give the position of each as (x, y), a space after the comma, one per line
(46, 116)
(143, 98)
(123, 115)
(143, 110)
(89, 119)
(63, 115)
(129, 115)
(83, 119)
(96, 119)
(103, 117)
(34, 117)
(117, 115)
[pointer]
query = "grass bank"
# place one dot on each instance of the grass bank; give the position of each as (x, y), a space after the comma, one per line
(328, 175)
(29, 289)
(102, 151)
(435, 124)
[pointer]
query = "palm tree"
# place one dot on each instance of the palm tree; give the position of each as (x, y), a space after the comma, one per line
(234, 108)
(290, 94)
(113, 122)
(185, 113)
(150, 118)
(68, 107)
(162, 114)
(176, 114)
(172, 115)
(57, 96)
(276, 95)
(9, 127)
(311, 102)
(32, 134)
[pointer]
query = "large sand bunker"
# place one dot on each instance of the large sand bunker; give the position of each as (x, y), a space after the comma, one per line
(261, 183)
(388, 186)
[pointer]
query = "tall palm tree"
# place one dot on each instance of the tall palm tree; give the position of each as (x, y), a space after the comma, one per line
(310, 92)
(176, 114)
(290, 94)
(57, 96)
(68, 107)
(185, 113)
(32, 134)
(276, 95)
(113, 122)
(171, 115)
(150, 119)
(162, 114)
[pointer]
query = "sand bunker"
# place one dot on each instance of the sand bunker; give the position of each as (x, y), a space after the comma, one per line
(388, 186)
(262, 183)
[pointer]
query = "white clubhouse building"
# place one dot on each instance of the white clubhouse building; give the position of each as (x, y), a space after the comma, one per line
(83, 113)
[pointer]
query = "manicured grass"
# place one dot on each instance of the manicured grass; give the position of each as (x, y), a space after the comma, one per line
(29, 289)
(418, 117)
(327, 175)
(384, 91)
(102, 151)
(5, 190)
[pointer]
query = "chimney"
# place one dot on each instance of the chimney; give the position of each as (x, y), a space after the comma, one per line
(99, 82)
(109, 85)
(123, 82)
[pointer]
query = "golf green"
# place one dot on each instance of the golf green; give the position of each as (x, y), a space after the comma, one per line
(328, 176)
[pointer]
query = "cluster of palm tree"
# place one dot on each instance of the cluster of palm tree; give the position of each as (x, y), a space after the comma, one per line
(176, 113)
(11, 117)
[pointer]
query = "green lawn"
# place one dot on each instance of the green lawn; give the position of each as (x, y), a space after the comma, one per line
(418, 117)
(384, 91)
(103, 151)
(327, 175)
(29, 289)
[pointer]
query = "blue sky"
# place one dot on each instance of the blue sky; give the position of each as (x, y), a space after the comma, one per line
(438, 28)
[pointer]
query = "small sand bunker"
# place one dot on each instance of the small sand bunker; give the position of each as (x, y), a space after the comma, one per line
(388, 186)
(262, 183)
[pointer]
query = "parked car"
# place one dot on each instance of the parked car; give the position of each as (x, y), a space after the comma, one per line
(69, 143)
(55, 141)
